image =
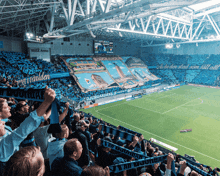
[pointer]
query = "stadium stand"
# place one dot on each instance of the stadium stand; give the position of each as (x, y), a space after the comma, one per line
(82, 139)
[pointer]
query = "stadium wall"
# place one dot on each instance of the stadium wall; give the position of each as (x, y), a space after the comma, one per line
(12, 44)
(39, 51)
(190, 48)
(84, 46)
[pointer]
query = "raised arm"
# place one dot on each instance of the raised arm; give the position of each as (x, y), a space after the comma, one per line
(10, 143)
(63, 115)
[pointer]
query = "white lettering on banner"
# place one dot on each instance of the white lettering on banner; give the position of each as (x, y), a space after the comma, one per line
(205, 67)
(34, 79)
(214, 67)
(194, 67)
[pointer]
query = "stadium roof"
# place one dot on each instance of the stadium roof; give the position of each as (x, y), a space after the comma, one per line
(151, 21)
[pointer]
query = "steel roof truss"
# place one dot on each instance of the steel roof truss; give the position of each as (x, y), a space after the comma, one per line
(167, 28)
(65, 11)
(181, 33)
(158, 25)
(81, 9)
(213, 25)
(162, 26)
(198, 27)
(52, 18)
(73, 12)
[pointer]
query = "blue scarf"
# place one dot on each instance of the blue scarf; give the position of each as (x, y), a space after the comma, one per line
(136, 164)
(129, 131)
(198, 170)
(122, 150)
(54, 118)
(118, 133)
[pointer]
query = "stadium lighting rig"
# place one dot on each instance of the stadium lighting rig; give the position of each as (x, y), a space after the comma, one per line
(29, 35)
(169, 46)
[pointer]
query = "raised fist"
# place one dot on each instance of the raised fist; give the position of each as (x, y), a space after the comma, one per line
(49, 95)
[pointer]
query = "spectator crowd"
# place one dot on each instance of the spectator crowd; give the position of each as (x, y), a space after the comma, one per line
(29, 148)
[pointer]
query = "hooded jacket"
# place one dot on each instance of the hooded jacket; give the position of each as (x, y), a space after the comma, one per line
(55, 149)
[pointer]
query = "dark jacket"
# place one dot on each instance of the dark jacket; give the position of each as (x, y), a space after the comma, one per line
(84, 159)
(65, 166)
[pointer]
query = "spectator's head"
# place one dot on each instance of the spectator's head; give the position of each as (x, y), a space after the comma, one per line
(27, 161)
(93, 171)
(193, 173)
(73, 149)
(151, 151)
(76, 117)
(145, 174)
(120, 160)
(4, 109)
(22, 107)
(64, 132)
(107, 138)
(82, 116)
(81, 124)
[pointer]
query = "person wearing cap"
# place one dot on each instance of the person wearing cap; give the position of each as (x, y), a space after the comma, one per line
(81, 126)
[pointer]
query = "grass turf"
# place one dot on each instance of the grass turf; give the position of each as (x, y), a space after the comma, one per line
(163, 115)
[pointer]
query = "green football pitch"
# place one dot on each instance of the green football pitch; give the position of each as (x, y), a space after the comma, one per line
(162, 115)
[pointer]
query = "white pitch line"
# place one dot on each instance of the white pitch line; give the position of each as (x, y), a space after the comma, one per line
(196, 104)
(111, 106)
(143, 108)
(158, 136)
(162, 97)
(178, 106)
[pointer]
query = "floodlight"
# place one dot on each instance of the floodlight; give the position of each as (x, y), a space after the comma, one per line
(169, 46)
(29, 35)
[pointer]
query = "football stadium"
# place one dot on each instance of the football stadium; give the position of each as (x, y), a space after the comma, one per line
(109, 87)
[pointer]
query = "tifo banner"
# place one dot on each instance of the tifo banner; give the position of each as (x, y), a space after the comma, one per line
(122, 150)
(42, 77)
(19, 93)
(137, 163)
